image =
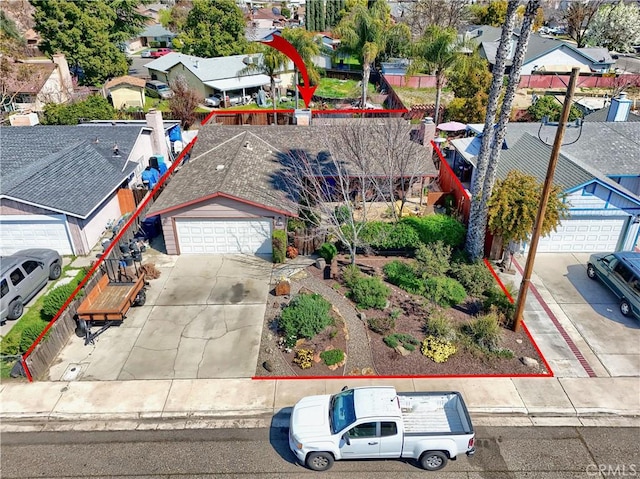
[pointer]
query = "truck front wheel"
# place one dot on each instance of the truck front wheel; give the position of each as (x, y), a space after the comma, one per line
(433, 460)
(319, 461)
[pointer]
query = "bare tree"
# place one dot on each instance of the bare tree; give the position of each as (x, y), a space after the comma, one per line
(421, 14)
(184, 102)
(505, 112)
(393, 159)
(579, 16)
(326, 185)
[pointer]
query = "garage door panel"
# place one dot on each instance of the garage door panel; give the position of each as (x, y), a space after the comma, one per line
(224, 236)
(586, 235)
(36, 231)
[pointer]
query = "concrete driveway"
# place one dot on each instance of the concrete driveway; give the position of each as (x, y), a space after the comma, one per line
(202, 319)
(593, 310)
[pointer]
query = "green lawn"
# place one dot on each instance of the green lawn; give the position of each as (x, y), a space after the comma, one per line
(335, 88)
(157, 103)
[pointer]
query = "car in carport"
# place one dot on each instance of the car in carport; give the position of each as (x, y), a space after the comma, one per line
(620, 272)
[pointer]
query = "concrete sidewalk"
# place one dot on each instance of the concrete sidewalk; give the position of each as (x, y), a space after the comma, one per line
(581, 393)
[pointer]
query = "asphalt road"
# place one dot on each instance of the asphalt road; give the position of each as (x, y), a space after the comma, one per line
(137, 68)
(503, 453)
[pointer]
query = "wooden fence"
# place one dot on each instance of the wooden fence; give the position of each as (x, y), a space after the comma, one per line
(48, 349)
(449, 182)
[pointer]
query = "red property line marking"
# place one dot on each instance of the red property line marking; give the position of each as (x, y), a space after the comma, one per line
(572, 346)
(97, 264)
(526, 330)
(313, 112)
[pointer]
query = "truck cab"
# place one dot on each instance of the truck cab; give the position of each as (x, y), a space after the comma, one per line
(378, 422)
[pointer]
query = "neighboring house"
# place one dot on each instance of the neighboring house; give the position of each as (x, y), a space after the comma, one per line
(543, 54)
(214, 75)
(30, 84)
(599, 173)
(229, 197)
(152, 36)
(152, 11)
(611, 111)
(61, 184)
(125, 92)
(266, 18)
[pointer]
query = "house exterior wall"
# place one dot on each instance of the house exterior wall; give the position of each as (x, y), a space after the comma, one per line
(631, 183)
(217, 208)
(94, 226)
(140, 153)
(194, 82)
(559, 56)
(158, 75)
(125, 96)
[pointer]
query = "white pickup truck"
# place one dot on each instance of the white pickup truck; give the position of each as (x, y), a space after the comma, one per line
(379, 422)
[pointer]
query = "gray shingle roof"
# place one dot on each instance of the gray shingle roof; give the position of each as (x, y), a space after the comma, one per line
(612, 148)
(530, 155)
(63, 167)
(601, 115)
(250, 174)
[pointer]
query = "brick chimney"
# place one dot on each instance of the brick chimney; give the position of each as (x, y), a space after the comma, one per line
(427, 131)
(158, 141)
(66, 82)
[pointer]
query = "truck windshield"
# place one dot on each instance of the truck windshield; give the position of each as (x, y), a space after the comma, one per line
(341, 411)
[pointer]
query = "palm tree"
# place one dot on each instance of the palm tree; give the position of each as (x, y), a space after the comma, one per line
(362, 32)
(271, 63)
(505, 111)
(441, 51)
(474, 245)
(307, 47)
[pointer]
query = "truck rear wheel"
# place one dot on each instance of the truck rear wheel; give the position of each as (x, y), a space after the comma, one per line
(433, 460)
(319, 461)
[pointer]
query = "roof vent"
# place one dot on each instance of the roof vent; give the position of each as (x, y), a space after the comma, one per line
(116, 150)
(219, 167)
(248, 146)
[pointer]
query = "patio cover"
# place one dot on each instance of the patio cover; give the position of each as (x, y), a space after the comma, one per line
(238, 83)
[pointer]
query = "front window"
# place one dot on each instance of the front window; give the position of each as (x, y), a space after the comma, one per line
(341, 411)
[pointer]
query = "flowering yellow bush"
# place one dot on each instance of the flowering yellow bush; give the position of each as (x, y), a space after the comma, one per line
(304, 358)
(438, 350)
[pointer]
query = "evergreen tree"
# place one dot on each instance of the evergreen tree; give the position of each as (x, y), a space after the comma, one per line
(310, 23)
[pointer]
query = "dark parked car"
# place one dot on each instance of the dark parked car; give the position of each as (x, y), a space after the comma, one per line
(621, 273)
(24, 274)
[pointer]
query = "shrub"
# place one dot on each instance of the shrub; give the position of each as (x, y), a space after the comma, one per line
(439, 325)
(294, 224)
(279, 246)
(402, 275)
(433, 259)
(292, 252)
(437, 227)
(444, 291)
(332, 356)
(437, 349)
(55, 299)
(370, 292)
(382, 235)
(305, 316)
(304, 358)
(476, 277)
(351, 274)
(484, 331)
(495, 299)
(408, 342)
(30, 334)
(328, 251)
(342, 214)
(10, 345)
(381, 325)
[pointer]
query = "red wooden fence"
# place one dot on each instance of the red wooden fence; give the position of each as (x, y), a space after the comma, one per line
(449, 182)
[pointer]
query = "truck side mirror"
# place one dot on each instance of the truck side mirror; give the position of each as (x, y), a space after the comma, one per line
(347, 441)
(344, 388)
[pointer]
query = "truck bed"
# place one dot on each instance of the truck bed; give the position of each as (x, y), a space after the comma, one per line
(434, 413)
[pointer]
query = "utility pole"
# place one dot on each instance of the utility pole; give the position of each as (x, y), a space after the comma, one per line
(542, 207)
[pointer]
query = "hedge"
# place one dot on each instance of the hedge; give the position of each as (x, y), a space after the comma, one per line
(279, 246)
(437, 227)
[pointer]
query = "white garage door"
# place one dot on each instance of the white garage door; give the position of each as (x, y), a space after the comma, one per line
(224, 236)
(33, 231)
(587, 235)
